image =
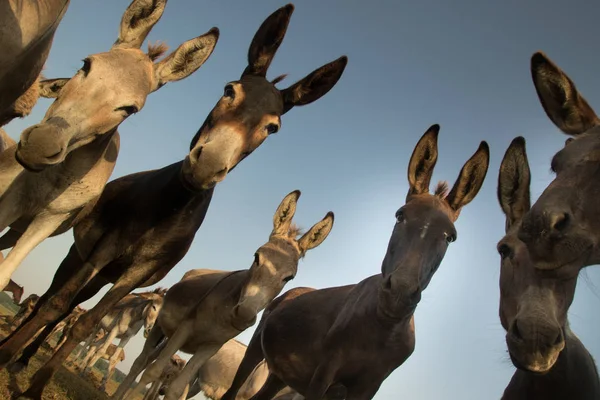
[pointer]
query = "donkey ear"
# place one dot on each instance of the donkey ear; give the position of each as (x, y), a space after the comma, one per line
(422, 161)
(50, 88)
(563, 104)
(186, 59)
(513, 182)
(317, 234)
(470, 179)
(267, 40)
(315, 85)
(284, 214)
(137, 21)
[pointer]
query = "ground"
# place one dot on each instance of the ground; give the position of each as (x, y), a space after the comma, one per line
(66, 384)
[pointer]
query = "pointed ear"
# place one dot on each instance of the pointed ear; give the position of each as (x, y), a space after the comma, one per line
(267, 40)
(50, 88)
(315, 85)
(470, 179)
(563, 104)
(513, 182)
(317, 234)
(422, 161)
(284, 214)
(186, 59)
(137, 21)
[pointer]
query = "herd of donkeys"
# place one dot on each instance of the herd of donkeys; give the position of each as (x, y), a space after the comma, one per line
(334, 343)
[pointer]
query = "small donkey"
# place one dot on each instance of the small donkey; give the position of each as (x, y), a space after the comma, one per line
(344, 341)
(207, 307)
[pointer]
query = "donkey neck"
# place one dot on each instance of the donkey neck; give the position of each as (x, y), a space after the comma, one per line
(399, 314)
(104, 150)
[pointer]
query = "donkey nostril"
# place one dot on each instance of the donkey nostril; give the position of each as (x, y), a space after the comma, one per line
(559, 338)
(559, 221)
(387, 283)
(195, 154)
(515, 332)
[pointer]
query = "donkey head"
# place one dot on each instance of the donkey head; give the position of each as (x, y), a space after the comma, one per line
(108, 88)
(251, 107)
(562, 229)
(533, 302)
(425, 224)
(276, 262)
(151, 311)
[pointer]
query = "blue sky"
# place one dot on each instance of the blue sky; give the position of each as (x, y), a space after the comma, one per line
(463, 65)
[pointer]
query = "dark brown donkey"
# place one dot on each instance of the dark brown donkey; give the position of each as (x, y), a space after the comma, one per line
(562, 229)
(144, 223)
(552, 363)
(350, 338)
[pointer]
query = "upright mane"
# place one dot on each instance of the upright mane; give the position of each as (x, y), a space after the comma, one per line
(442, 189)
(157, 50)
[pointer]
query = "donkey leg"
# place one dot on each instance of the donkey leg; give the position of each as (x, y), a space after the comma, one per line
(271, 387)
(70, 264)
(88, 347)
(132, 278)
(179, 387)
(101, 349)
(86, 293)
(322, 379)
(175, 342)
(252, 357)
(148, 354)
(112, 362)
(9, 239)
(39, 229)
(57, 305)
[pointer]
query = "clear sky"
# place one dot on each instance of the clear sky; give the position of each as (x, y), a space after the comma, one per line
(462, 64)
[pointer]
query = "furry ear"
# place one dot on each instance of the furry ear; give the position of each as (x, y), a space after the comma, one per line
(50, 88)
(560, 99)
(315, 85)
(513, 183)
(422, 161)
(317, 234)
(139, 18)
(267, 40)
(186, 59)
(282, 219)
(470, 179)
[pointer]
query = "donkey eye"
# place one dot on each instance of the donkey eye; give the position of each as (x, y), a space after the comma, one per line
(272, 128)
(87, 64)
(128, 110)
(288, 278)
(450, 237)
(229, 92)
(399, 217)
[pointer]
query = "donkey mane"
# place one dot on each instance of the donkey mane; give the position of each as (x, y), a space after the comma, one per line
(157, 50)
(278, 79)
(294, 231)
(442, 189)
